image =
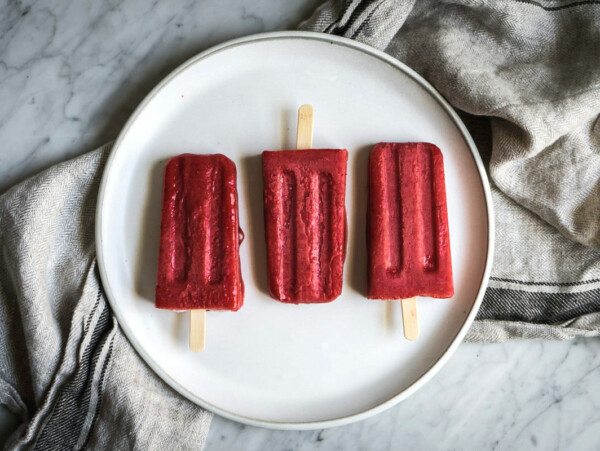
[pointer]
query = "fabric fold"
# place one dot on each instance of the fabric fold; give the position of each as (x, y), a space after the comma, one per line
(66, 368)
(525, 74)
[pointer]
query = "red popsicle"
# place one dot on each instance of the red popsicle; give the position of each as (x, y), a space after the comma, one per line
(305, 218)
(408, 239)
(199, 263)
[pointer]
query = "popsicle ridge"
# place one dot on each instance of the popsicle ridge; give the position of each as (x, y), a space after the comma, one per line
(286, 231)
(418, 219)
(178, 227)
(324, 227)
(429, 223)
(408, 243)
(391, 176)
(306, 238)
(199, 265)
(213, 268)
(316, 222)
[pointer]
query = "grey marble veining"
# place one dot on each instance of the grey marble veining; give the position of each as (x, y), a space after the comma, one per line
(71, 73)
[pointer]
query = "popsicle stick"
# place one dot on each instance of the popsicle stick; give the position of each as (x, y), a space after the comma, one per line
(305, 127)
(197, 330)
(409, 318)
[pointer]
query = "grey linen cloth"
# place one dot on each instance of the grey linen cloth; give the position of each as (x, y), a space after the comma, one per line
(526, 76)
(66, 369)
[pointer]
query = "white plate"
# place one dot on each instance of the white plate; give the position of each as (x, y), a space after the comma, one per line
(272, 364)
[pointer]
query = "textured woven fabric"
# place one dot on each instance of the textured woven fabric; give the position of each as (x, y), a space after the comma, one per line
(66, 369)
(527, 76)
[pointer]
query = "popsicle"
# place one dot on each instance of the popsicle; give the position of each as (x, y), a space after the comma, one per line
(408, 236)
(305, 218)
(199, 263)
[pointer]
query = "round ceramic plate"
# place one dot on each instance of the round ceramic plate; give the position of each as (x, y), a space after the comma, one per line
(272, 364)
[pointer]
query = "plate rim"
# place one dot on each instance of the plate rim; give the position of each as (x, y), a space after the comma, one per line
(447, 353)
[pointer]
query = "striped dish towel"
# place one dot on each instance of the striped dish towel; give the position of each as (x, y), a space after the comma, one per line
(526, 75)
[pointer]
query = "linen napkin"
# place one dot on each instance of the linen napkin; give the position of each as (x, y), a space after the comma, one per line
(526, 75)
(66, 369)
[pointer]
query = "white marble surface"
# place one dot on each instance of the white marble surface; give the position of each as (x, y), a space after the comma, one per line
(513, 396)
(70, 74)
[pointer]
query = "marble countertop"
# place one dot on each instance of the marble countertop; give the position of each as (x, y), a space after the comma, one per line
(71, 72)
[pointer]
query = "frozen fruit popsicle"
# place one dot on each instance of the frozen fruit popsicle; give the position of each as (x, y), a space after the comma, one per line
(408, 240)
(198, 262)
(305, 220)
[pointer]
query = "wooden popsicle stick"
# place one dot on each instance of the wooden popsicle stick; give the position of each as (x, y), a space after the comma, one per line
(410, 321)
(305, 127)
(197, 330)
